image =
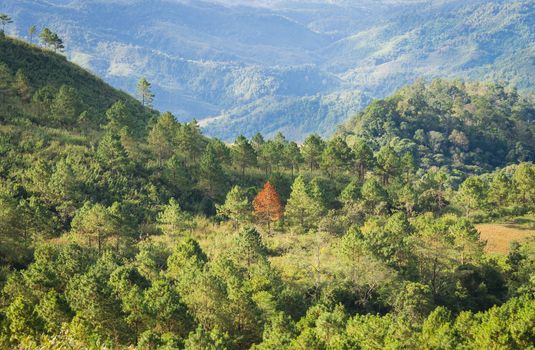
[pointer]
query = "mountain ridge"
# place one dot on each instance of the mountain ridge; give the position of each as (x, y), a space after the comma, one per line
(207, 59)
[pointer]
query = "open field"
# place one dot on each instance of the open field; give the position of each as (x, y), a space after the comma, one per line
(500, 236)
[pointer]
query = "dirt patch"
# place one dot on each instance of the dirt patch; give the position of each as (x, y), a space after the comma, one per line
(500, 236)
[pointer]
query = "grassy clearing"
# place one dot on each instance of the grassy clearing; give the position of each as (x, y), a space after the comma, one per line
(500, 235)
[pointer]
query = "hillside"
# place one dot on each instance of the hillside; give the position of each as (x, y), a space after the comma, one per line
(217, 60)
(47, 70)
(468, 127)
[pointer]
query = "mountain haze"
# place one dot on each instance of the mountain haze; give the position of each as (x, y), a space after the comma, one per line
(291, 66)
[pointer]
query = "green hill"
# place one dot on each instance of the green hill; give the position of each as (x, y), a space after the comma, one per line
(38, 75)
(470, 127)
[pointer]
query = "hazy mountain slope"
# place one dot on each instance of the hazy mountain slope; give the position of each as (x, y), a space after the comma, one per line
(294, 117)
(478, 40)
(220, 60)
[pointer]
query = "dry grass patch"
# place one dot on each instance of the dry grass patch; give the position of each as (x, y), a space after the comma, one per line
(500, 236)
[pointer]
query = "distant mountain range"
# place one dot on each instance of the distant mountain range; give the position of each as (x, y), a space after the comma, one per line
(292, 66)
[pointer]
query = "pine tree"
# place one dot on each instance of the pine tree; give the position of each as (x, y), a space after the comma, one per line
(237, 206)
(243, 153)
(364, 160)
(161, 137)
(190, 141)
(50, 38)
(66, 105)
(249, 247)
(112, 154)
(31, 31)
(353, 248)
(4, 20)
(312, 150)
(293, 156)
(22, 86)
(173, 220)
(267, 205)
(6, 82)
(213, 177)
(302, 209)
(93, 221)
(337, 156)
(389, 164)
(118, 117)
(144, 92)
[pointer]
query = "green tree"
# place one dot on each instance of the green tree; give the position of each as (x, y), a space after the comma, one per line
(166, 312)
(408, 166)
(222, 151)
(92, 298)
(161, 138)
(243, 153)
(248, 247)
(466, 241)
(31, 32)
(524, 183)
(437, 330)
(407, 199)
(353, 248)
(500, 189)
(51, 39)
(375, 199)
(63, 190)
(337, 156)
(237, 206)
(6, 81)
(414, 303)
(208, 340)
(278, 334)
(22, 86)
(312, 150)
(118, 117)
(364, 160)
(293, 157)
(389, 164)
(172, 220)
(5, 20)
(390, 240)
(112, 154)
(351, 193)
(94, 222)
(190, 141)
(43, 98)
(472, 194)
(145, 93)
(302, 209)
(54, 311)
(66, 105)
(20, 318)
(257, 141)
(213, 178)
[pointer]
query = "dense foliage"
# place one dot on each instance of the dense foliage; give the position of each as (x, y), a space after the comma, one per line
(123, 228)
(464, 126)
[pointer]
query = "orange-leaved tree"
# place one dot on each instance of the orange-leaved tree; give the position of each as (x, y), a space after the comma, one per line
(267, 205)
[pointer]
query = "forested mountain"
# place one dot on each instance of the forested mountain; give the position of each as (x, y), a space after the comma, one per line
(123, 228)
(462, 126)
(269, 66)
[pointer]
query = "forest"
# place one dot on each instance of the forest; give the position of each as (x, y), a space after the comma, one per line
(121, 228)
